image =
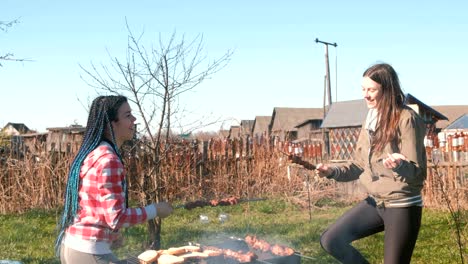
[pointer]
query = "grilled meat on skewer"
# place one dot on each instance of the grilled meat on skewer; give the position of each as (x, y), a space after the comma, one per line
(239, 256)
(264, 246)
(221, 202)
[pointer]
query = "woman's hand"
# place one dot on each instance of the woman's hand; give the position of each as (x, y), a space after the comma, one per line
(295, 159)
(393, 160)
(164, 209)
(323, 170)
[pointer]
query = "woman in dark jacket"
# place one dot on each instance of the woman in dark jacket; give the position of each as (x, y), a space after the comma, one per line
(390, 162)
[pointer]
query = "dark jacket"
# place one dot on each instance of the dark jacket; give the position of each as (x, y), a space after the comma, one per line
(404, 181)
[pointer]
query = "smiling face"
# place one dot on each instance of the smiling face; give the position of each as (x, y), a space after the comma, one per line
(124, 127)
(371, 91)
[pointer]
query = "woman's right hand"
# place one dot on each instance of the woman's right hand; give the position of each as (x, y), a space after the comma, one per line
(323, 170)
(163, 209)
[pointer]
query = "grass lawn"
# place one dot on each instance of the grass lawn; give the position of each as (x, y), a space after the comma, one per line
(29, 237)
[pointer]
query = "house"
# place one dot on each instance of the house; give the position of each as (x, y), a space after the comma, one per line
(309, 130)
(65, 139)
(246, 128)
(10, 137)
(234, 132)
(452, 112)
(460, 124)
(284, 121)
(430, 115)
(343, 125)
(260, 128)
(344, 121)
(15, 129)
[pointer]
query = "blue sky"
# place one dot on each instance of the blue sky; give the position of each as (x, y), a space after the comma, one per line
(276, 62)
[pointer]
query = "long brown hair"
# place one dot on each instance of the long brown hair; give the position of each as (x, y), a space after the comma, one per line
(390, 105)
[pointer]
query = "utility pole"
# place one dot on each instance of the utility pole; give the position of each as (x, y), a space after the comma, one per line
(327, 91)
(327, 69)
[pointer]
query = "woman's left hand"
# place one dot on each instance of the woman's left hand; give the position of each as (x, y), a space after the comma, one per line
(393, 160)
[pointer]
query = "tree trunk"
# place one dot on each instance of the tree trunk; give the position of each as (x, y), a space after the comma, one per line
(154, 228)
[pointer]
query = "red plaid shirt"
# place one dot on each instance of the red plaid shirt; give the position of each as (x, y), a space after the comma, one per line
(102, 211)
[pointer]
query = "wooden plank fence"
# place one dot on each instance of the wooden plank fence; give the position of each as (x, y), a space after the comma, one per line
(206, 169)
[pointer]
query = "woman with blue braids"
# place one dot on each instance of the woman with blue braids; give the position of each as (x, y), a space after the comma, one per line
(96, 195)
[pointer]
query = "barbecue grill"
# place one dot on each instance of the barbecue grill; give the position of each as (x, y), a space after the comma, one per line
(241, 245)
(236, 244)
(235, 249)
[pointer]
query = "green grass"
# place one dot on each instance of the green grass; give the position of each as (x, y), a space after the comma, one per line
(30, 237)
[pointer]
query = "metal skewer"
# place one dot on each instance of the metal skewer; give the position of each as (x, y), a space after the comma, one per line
(302, 256)
(262, 261)
(295, 253)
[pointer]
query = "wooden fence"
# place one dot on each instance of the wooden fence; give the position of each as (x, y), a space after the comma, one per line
(190, 170)
(447, 183)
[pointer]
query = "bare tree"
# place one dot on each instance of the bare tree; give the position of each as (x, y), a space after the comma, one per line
(154, 79)
(4, 26)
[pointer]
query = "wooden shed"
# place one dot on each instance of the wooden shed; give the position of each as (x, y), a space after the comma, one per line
(309, 130)
(284, 121)
(65, 139)
(35, 143)
(343, 124)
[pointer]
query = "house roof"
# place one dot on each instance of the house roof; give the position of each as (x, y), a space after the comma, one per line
(32, 135)
(20, 127)
(460, 123)
(346, 114)
(452, 112)
(353, 113)
(261, 124)
(70, 129)
(410, 99)
(287, 118)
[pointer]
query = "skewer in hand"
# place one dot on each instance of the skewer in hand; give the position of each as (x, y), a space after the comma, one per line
(298, 160)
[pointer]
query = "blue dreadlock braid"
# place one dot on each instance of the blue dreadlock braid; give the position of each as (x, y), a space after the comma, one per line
(103, 110)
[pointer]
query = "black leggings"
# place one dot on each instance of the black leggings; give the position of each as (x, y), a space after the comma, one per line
(401, 227)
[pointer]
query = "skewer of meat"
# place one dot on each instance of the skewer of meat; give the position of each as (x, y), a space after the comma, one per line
(202, 203)
(280, 250)
(239, 256)
(264, 246)
(222, 202)
(195, 204)
(225, 201)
